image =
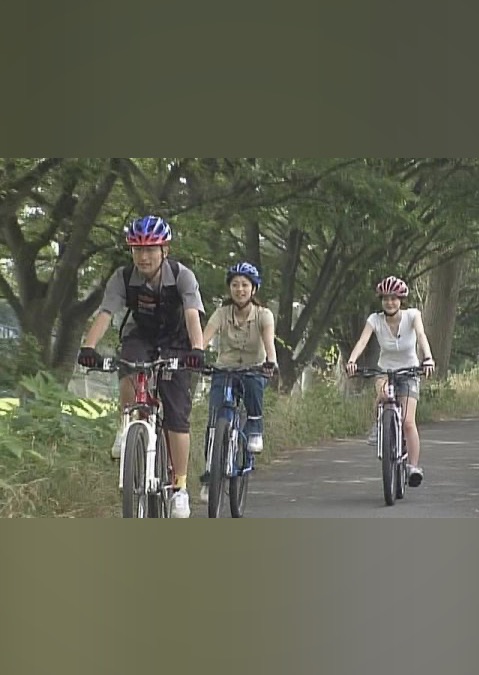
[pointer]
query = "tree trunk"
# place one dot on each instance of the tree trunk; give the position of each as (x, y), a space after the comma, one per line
(34, 326)
(287, 368)
(285, 318)
(441, 308)
(67, 343)
(252, 247)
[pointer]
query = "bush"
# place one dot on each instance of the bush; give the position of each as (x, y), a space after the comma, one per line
(47, 445)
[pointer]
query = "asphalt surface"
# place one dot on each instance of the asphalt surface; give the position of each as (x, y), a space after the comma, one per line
(342, 479)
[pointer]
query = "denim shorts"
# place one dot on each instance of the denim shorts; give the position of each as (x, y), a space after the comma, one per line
(407, 386)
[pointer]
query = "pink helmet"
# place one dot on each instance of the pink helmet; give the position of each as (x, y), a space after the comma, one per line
(392, 286)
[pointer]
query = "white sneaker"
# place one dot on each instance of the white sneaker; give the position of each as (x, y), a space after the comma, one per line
(415, 475)
(180, 504)
(204, 494)
(116, 447)
(255, 443)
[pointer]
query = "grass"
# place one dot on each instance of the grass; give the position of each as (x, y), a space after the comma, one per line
(72, 475)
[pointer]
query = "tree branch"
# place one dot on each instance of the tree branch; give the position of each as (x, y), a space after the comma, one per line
(136, 199)
(83, 221)
(10, 297)
(16, 190)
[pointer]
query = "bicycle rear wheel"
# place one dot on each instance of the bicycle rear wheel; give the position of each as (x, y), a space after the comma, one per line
(239, 484)
(135, 500)
(389, 464)
(216, 491)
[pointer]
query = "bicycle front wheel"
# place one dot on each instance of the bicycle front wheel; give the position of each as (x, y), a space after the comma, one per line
(165, 475)
(135, 499)
(401, 475)
(389, 464)
(239, 484)
(217, 485)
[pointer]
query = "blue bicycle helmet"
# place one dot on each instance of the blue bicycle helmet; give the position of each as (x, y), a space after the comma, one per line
(244, 269)
(148, 231)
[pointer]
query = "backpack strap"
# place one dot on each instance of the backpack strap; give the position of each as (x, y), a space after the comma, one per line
(127, 272)
(175, 267)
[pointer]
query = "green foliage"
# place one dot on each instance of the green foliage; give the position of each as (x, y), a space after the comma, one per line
(18, 357)
(53, 458)
(50, 421)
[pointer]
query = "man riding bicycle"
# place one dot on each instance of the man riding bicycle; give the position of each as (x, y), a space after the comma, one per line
(165, 304)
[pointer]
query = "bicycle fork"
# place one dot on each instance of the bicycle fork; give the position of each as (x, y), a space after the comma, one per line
(400, 450)
(209, 447)
(233, 444)
(151, 480)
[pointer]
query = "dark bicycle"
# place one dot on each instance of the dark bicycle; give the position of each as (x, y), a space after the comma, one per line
(229, 463)
(391, 443)
(146, 471)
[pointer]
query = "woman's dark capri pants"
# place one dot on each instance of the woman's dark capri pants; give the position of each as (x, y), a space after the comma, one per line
(175, 394)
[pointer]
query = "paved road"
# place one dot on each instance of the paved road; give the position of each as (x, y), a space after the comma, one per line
(342, 479)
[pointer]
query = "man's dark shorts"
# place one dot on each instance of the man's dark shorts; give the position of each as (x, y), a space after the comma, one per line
(175, 393)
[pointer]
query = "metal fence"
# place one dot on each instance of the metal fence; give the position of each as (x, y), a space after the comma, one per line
(8, 332)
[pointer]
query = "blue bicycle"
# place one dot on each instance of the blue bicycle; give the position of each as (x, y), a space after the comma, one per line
(228, 461)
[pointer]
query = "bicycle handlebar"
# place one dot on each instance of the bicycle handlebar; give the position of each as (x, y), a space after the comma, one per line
(112, 364)
(224, 370)
(411, 371)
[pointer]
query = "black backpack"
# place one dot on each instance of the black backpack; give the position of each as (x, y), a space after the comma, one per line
(127, 272)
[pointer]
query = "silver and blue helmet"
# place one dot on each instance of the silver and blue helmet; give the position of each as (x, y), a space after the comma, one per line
(244, 269)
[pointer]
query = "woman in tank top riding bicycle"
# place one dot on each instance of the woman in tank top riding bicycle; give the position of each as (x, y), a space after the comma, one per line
(398, 331)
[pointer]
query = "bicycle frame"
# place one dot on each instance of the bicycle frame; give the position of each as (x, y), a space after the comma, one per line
(146, 406)
(146, 410)
(230, 409)
(393, 404)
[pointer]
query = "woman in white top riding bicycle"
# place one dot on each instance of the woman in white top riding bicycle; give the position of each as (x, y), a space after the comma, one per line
(398, 331)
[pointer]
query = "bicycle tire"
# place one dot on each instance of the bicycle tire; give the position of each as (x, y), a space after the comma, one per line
(135, 502)
(165, 476)
(216, 491)
(389, 464)
(401, 480)
(239, 484)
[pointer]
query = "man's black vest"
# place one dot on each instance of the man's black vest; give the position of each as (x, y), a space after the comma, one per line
(158, 314)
